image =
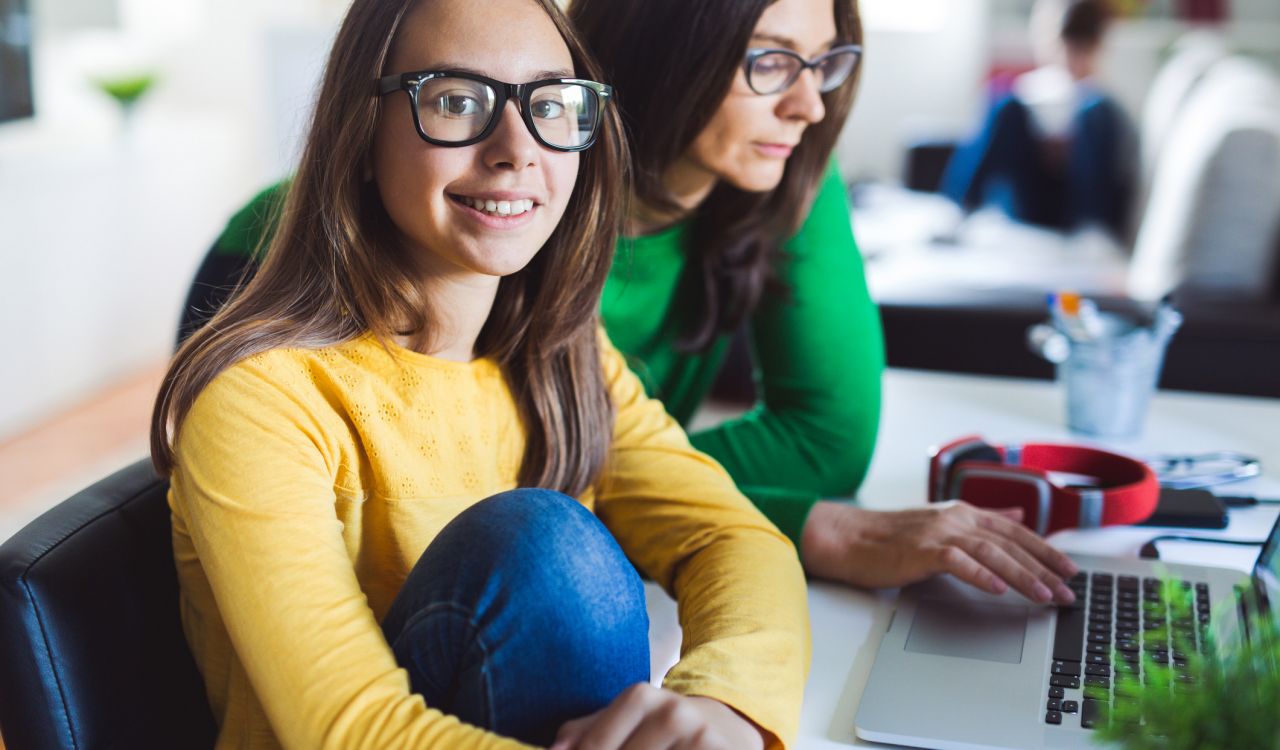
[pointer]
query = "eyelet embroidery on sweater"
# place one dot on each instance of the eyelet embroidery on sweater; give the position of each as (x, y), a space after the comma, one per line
(410, 378)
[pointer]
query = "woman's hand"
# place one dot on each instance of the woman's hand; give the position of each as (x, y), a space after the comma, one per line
(645, 717)
(991, 550)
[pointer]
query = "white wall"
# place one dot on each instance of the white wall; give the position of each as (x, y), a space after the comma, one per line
(103, 222)
(919, 77)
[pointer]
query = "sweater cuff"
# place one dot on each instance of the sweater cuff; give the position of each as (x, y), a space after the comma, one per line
(788, 509)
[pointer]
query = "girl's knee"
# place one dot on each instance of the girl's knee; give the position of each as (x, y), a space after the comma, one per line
(553, 550)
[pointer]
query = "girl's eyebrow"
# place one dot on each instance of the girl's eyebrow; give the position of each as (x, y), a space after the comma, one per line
(557, 73)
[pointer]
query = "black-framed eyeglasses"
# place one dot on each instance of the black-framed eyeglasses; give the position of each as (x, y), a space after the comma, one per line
(770, 71)
(454, 108)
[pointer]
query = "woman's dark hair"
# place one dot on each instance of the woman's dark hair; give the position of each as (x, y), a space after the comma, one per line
(1084, 22)
(672, 63)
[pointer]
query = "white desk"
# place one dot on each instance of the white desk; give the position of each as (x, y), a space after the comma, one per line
(926, 409)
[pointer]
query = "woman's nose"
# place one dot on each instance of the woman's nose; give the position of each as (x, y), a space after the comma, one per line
(803, 100)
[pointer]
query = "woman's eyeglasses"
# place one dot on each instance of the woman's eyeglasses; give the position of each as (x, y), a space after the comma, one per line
(453, 108)
(770, 71)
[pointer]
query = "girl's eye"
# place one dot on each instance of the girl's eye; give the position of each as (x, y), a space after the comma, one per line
(458, 105)
(547, 109)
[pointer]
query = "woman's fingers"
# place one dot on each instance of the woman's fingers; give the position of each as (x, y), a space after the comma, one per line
(990, 551)
(1054, 558)
(1032, 566)
(962, 565)
(1015, 513)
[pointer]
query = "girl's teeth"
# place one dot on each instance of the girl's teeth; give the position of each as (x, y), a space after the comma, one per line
(501, 208)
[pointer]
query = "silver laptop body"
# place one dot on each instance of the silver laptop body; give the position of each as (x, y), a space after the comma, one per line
(959, 668)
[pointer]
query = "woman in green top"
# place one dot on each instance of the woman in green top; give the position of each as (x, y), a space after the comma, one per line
(733, 108)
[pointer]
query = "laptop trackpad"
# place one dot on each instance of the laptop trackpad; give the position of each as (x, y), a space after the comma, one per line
(969, 630)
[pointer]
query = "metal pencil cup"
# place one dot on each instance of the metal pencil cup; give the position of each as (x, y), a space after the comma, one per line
(1110, 373)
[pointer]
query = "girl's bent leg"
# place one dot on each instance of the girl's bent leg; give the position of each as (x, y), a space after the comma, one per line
(522, 614)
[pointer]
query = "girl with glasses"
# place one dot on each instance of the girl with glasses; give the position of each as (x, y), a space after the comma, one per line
(410, 475)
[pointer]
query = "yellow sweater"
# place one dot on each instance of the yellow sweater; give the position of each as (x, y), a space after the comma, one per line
(308, 483)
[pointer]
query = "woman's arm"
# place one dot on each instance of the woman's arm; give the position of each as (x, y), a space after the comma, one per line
(737, 580)
(254, 488)
(819, 354)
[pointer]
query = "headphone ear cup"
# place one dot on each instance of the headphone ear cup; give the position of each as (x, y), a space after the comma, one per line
(983, 452)
(980, 452)
(943, 462)
(968, 456)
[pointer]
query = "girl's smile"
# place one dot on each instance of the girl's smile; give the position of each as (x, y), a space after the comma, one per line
(497, 209)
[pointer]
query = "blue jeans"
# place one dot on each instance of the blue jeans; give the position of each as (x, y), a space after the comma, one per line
(1006, 165)
(522, 614)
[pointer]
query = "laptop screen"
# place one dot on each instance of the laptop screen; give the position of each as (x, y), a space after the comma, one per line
(1266, 572)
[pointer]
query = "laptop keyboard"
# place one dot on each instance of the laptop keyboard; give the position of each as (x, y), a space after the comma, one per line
(1114, 620)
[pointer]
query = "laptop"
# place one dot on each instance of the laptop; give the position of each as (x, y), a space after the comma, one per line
(960, 668)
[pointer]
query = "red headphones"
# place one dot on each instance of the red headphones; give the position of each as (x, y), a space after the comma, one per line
(1057, 486)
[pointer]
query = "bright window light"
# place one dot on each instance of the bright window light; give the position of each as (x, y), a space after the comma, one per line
(920, 16)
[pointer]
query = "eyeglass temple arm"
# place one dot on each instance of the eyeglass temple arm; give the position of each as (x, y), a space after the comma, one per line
(387, 84)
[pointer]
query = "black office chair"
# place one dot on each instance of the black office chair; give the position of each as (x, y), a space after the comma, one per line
(92, 653)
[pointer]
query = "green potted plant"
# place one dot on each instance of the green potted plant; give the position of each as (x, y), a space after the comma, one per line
(1222, 699)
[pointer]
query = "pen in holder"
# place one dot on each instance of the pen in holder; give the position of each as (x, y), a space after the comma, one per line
(1108, 363)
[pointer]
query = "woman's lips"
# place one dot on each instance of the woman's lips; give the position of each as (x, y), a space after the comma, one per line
(773, 150)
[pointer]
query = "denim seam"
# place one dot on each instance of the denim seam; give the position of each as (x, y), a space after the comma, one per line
(475, 629)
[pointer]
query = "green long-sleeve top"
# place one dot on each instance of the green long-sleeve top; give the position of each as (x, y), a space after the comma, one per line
(816, 344)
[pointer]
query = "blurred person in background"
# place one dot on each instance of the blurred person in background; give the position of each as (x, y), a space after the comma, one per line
(1057, 150)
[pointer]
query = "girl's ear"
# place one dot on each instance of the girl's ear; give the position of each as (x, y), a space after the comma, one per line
(366, 169)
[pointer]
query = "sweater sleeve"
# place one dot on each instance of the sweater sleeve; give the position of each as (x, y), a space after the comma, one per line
(250, 230)
(737, 581)
(819, 353)
(254, 487)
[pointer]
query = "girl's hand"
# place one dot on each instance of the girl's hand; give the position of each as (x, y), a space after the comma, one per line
(644, 717)
(991, 550)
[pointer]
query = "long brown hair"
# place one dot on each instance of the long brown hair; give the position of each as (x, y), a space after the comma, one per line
(672, 63)
(333, 272)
